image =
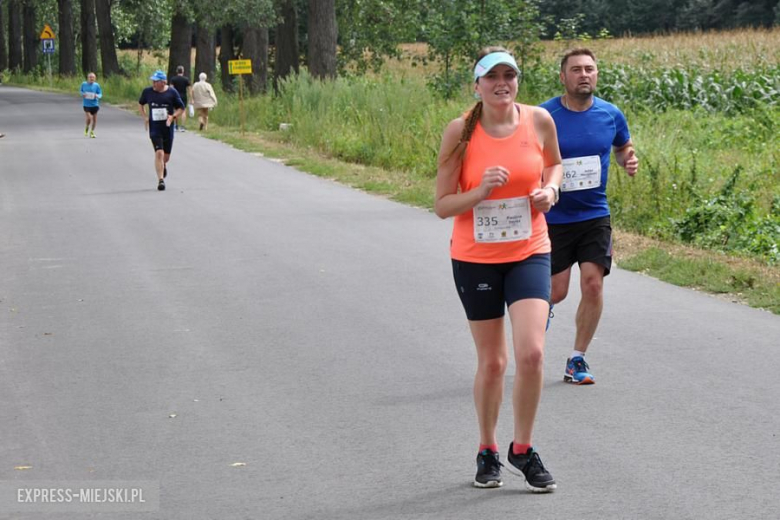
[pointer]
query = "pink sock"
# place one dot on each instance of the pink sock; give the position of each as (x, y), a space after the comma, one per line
(520, 449)
(491, 447)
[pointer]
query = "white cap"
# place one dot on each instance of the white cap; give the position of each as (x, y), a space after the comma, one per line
(491, 60)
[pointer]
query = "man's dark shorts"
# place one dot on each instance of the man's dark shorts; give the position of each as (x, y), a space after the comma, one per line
(578, 242)
(162, 142)
(91, 110)
(485, 290)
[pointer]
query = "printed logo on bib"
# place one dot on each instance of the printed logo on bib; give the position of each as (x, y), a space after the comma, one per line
(581, 173)
(159, 114)
(502, 220)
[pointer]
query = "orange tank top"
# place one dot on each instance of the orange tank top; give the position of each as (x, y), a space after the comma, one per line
(521, 154)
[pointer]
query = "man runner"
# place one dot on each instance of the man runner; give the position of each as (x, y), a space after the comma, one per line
(164, 105)
(589, 128)
(91, 93)
(183, 86)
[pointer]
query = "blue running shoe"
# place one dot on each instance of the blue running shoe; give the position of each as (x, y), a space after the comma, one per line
(578, 372)
(551, 316)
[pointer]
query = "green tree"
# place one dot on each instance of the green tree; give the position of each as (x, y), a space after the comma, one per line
(286, 59)
(31, 33)
(370, 31)
(234, 18)
(145, 21)
(181, 38)
(67, 41)
(323, 38)
(3, 53)
(88, 36)
(456, 30)
(15, 35)
(108, 55)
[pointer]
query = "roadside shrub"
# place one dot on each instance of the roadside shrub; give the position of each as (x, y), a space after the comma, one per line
(730, 220)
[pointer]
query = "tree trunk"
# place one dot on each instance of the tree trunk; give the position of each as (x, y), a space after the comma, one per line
(287, 52)
(256, 49)
(107, 44)
(88, 37)
(66, 38)
(3, 53)
(322, 38)
(181, 45)
(31, 39)
(205, 52)
(15, 35)
(225, 55)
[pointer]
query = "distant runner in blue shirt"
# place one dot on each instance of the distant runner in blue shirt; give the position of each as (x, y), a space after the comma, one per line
(165, 105)
(91, 94)
(589, 129)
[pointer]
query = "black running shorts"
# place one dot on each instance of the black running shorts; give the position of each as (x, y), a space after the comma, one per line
(586, 241)
(163, 142)
(91, 110)
(487, 289)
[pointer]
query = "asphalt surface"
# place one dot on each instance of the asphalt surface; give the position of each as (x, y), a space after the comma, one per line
(258, 343)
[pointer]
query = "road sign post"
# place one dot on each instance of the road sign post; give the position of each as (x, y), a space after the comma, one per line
(239, 68)
(48, 47)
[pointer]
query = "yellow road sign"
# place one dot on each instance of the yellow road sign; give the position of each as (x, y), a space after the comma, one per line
(239, 66)
(47, 33)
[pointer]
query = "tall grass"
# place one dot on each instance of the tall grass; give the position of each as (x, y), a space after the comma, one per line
(116, 89)
(746, 49)
(705, 128)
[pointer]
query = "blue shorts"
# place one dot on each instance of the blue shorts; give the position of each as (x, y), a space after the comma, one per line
(487, 289)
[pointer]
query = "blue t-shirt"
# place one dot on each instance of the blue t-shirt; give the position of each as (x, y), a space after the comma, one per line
(160, 104)
(583, 134)
(93, 100)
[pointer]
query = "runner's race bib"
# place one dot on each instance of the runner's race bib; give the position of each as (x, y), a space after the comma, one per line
(159, 114)
(502, 220)
(89, 95)
(581, 173)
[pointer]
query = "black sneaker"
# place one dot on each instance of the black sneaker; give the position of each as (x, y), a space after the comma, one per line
(165, 172)
(529, 466)
(161, 185)
(488, 470)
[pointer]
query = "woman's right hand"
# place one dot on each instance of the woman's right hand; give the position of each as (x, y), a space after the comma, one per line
(494, 177)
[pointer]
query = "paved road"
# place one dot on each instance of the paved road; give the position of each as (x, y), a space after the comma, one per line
(254, 314)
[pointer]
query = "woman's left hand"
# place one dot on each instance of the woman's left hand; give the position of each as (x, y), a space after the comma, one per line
(542, 199)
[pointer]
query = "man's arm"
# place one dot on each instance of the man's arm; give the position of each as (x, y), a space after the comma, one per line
(626, 158)
(142, 110)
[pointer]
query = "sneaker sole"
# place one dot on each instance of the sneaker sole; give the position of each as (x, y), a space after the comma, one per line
(488, 485)
(514, 471)
(585, 381)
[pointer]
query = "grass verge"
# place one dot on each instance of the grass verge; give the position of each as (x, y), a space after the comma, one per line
(746, 281)
(740, 280)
